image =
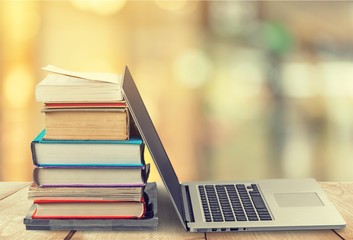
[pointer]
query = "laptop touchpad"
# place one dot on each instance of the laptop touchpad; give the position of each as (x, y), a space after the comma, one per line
(310, 199)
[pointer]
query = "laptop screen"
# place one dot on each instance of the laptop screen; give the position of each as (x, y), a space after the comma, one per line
(150, 137)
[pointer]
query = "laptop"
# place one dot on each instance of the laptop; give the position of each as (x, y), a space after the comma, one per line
(259, 205)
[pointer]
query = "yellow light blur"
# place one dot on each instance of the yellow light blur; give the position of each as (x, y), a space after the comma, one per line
(101, 7)
(18, 86)
(22, 21)
(171, 5)
(192, 67)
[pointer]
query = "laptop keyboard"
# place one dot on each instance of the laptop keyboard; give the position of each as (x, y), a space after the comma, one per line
(239, 202)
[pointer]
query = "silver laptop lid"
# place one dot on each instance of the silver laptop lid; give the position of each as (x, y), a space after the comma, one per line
(150, 137)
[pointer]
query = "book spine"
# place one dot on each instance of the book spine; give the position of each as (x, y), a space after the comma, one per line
(33, 151)
(35, 141)
(35, 176)
(145, 173)
(144, 208)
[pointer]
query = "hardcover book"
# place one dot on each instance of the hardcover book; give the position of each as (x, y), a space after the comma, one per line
(90, 176)
(80, 209)
(87, 152)
(123, 193)
(87, 123)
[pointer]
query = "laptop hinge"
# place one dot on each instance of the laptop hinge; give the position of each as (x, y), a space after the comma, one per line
(189, 214)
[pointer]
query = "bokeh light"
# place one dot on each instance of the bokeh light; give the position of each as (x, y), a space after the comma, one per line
(101, 7)
(18, 86)
(193, 68)
(236, 89)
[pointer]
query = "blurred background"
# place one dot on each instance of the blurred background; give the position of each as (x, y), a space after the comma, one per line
(236, 89)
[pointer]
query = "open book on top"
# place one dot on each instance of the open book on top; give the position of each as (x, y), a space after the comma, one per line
(66, 86)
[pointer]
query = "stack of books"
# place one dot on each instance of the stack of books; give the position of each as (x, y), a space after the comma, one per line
(90, 171)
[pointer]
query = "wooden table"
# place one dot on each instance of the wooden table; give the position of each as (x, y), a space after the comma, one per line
(14, 205)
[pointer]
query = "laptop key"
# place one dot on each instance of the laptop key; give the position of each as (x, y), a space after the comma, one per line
(258, 202)
(218, 220)
(229, 219)
(241, 218)
(265, 218)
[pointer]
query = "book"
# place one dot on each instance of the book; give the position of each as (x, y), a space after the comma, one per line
(86, 152)
(123, 193)
(87, 119)
(90, 176)
(87, 123)
(67, 86)
(148, 222)
(85, 105)
(88, 209)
